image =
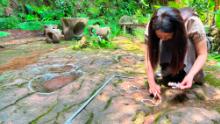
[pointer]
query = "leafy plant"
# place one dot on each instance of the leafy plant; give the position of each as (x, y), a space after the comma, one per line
(4, 3)
(54, 22)
(142, 18)
(31, 17)
(205, 8)
(217, 18)
(1, 11)
(93, 11)
(94, 42)
(214, 56)
(35, 25)
(139, 33)
(65, 6)
(8, 22)
(4, 34)
(99, 21)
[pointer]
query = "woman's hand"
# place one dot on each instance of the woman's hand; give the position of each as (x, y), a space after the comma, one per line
(187, 82)
(155, 90)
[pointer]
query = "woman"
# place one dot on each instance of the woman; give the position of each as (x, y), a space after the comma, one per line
(175, 40)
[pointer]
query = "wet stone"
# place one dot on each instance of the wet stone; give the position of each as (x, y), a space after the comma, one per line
(123, 101)
(51, 82)
(58, 82)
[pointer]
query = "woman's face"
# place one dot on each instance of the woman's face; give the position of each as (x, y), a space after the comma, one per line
(164, 36)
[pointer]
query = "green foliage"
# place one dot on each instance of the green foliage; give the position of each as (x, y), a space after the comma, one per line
(175, 5)
(93, 11)
(4, 3)
(217, 18)
(203, 7)
(214, 56)
(94, 42)
(30, 25)
(37, 25)
(30, 17)
(99, 21)
(142, 18)
(115, 30)
(46, 13)
(139, 33)
(212, 79)
(8, 22)
(29, 8)
(1, 11)
(104, 12)
(65, 6)
(4, 34)
(103, 44)
(54, 22)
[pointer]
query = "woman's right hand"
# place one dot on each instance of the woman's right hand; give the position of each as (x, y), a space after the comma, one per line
(155, 90)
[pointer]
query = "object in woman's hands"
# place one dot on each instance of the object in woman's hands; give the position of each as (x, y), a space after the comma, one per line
(174, 85)
(155, 101)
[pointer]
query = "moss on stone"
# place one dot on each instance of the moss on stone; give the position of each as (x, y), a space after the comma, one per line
(35, 121)
(90, 119)
(116, 83)
(212, 80)
(109, 102)
(139, 118)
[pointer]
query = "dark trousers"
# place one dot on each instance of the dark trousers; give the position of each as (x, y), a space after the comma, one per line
(199, 78)
(171, 78)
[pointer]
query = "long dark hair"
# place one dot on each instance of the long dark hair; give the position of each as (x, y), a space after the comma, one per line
(168, 20)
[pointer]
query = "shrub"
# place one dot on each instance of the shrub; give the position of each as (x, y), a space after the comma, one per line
(35, 25)
(8, 23)
(217, 18)
(4, 34)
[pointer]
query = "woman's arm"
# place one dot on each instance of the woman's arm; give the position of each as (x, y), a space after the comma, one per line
(153, 87)
(201, 50)
(200, 44)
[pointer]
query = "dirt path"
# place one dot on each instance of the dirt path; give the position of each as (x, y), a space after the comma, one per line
(20, 62)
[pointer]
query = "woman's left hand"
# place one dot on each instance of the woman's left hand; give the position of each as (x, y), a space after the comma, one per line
(187, 82)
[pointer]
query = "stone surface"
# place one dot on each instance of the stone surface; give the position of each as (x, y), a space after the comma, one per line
(120, 102)
(190, 115)
(58, 82)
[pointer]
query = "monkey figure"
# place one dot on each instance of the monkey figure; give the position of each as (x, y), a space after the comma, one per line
(103, 32)
(53, 34)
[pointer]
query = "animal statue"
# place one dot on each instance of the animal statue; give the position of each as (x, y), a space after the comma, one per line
(53, 34)
(103, 32)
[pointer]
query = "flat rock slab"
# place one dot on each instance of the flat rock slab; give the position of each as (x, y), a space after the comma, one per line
(120, 102)
(190, 115)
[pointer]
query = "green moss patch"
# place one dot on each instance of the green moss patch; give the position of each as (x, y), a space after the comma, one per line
(4, 34)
